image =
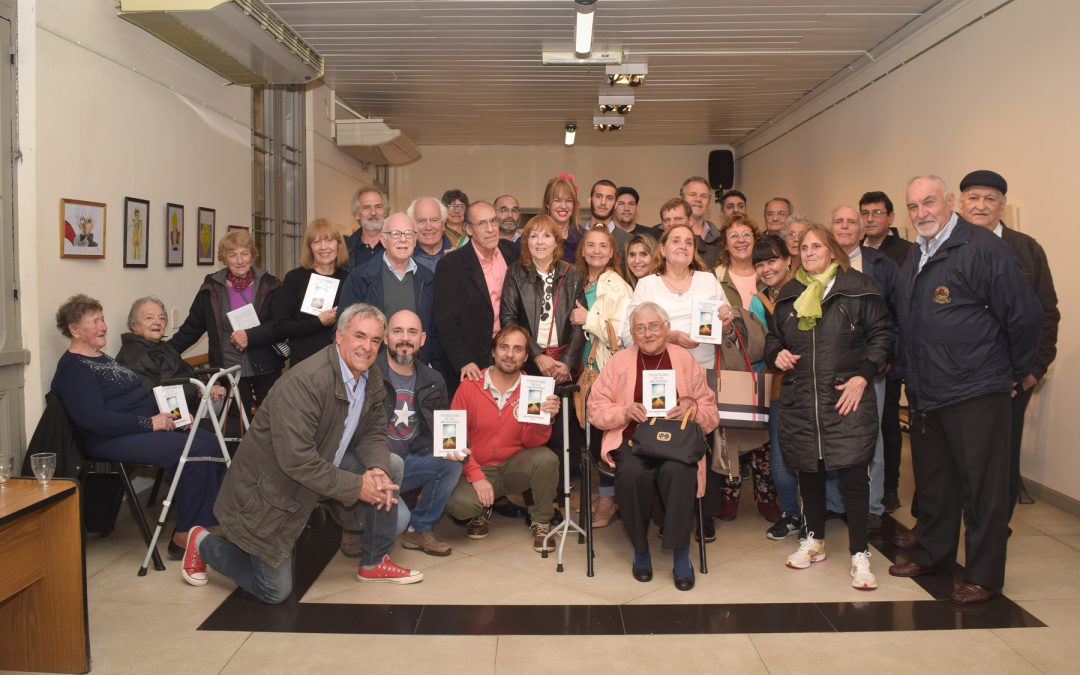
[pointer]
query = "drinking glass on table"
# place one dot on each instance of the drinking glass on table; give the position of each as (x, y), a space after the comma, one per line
(44, 464)
(7, 467)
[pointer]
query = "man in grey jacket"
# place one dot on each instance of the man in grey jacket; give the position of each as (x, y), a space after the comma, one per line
(320, 436)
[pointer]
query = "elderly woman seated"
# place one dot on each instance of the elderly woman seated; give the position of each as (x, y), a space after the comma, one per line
(119, 421)
(615, 406)
(143, 351)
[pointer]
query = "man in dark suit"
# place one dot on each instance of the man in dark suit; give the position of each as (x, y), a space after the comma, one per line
(468, 291)
(982, 201)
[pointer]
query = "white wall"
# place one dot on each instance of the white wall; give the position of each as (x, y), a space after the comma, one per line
(116, 113)
(1001, 95)
(333, 175)
(487, 171)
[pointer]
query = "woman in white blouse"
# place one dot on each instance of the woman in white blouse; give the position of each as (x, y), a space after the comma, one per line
(680, 277)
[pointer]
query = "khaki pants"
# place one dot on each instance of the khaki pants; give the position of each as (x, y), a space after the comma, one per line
(535, 469)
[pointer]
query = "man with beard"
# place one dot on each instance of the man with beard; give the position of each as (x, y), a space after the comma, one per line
(368, 209)
(432, 244)
(733, 202)
(320, 437)
(626, 205)
(413, 393)
(508, 211)
(969, 327)
(506, 456)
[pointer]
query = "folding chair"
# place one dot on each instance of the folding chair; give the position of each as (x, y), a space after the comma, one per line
(206, 409)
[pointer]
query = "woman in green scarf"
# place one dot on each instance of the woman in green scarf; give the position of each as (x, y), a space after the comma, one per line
(830, 333)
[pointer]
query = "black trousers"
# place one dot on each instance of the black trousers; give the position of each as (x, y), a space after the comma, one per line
(960, 454)
(1019, 407)
(854, 484)
(638, 480)
(890, 433)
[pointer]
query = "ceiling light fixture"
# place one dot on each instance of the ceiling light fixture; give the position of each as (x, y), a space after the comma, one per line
(616, 104)
(583, 26)
(571, 132)
(607, 123)
(630, 74)
(597, 57)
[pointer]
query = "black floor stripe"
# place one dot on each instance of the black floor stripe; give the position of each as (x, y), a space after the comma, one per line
(319, 543)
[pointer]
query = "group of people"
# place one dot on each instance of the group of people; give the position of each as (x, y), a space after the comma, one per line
(446, 305)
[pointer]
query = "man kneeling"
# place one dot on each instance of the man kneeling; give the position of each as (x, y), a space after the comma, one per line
(320, 435)
(508, 456)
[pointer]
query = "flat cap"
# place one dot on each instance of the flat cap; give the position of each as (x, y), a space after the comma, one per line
(984, 178)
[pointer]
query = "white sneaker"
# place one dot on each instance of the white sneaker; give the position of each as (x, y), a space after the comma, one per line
(861, 576)
(810, 551)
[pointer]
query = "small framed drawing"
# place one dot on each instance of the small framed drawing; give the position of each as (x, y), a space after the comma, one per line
(82, 229)
(136, 232)
(174, 235)
(245, 228)
(205, 249)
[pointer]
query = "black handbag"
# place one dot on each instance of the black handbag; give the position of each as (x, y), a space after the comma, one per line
(676, 440)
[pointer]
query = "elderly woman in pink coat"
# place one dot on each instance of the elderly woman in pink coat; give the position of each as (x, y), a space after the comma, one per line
(615, 406)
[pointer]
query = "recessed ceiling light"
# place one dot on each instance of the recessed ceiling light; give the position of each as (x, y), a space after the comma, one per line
(571, 132)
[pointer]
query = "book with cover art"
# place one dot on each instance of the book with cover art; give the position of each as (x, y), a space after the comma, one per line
(658, 392)
(533, 392)
(319, 296)
(451, 432)
(171, 400)
(705, 326)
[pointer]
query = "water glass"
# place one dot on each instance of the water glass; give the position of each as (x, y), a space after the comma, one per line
(7, 468)
(44, 464)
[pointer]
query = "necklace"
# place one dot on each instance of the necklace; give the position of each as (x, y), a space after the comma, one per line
(677, 290)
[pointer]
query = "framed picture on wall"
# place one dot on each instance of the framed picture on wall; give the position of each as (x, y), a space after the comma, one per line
(82, 229)
(136, 232)
(230, 228)
(174, 235)
(205, 248)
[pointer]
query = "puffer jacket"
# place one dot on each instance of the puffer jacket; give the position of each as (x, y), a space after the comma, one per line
(206, 316)
(522, 301)
(155, 362)
(854, 336)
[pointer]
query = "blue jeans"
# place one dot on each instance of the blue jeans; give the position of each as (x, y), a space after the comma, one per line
(833, 500)
(378, 525)
(438, 477)
(786, 482)
(269, 585)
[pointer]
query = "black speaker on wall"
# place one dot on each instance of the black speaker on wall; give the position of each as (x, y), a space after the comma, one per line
(721, 169)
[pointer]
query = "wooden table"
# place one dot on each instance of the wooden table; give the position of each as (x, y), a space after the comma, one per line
(43, 624)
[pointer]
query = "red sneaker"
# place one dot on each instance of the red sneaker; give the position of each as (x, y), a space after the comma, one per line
(388, 573)
(194, 568)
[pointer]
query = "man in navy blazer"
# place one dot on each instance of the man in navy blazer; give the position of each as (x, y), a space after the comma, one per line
(468, 291)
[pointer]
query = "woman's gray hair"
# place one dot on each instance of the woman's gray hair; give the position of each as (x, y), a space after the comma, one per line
(649, 307)
(133, 313)
(364, 310)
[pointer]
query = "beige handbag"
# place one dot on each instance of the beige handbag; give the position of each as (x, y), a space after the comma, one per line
(589, 375)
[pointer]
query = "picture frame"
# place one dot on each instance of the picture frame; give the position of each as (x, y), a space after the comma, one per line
(82, 229)
(230, 228)
(136, 232)
(204, 238)
(174, 235)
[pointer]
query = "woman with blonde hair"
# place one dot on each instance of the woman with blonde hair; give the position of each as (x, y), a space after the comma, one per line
(322, 253)
(561, 204)
(639, 258)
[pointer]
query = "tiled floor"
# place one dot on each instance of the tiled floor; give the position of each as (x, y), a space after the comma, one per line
(748, 604)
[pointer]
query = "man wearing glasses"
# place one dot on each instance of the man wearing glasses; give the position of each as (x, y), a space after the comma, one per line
(876, 211)
(393, 282)
(777, 211)
(468, 295)
(508, 211)
(456, 203)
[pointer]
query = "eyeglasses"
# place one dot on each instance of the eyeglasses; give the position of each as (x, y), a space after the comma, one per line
(506, 209)
(490, 222)
(455, 207)
(654, 327)
(740, 235)
(776, 214)
(795, 236)
(398, 234)
(877, 213)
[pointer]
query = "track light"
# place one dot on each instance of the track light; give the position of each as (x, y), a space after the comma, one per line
(583, 26)
(616, 104)
(571, 132)
(629, 74)
(607, 123)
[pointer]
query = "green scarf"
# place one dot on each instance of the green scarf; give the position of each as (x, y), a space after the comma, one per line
(808, 304)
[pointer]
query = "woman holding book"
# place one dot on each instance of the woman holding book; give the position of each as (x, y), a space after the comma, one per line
(119, 420)
(323, 253)
(236, 286)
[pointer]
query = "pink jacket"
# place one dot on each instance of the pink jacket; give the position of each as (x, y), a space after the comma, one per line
(613, 392)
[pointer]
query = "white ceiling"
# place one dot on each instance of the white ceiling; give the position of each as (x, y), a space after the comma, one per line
(469, 71)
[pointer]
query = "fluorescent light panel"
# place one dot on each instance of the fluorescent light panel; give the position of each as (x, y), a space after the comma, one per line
(583, 26)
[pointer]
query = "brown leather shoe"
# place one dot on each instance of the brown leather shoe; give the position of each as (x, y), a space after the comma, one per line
(968, 593)
(905, 539)
(907, 568)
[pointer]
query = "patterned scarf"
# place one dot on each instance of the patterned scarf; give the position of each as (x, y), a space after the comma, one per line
(239, 284)
(808, 304)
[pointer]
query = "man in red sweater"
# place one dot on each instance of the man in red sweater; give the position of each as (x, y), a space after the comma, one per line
(507, 456)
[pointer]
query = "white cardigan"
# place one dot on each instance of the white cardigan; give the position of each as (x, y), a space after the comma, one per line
(612, 296)
(652, 289)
